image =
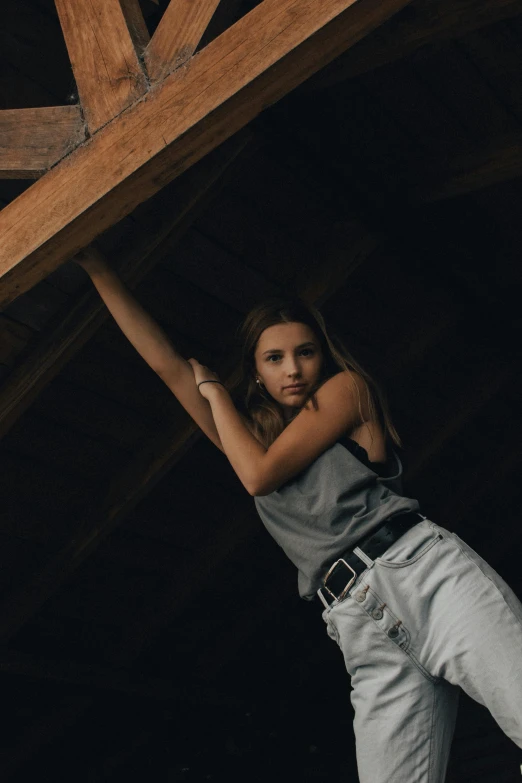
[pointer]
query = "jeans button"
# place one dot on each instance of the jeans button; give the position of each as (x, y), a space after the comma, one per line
(377, 614)
(393, 632)
(360, 596)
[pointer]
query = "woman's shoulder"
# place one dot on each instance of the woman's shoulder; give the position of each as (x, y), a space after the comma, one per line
(346, 386)
(343, 381)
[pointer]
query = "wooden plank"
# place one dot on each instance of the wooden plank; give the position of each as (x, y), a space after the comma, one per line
(254, 63)
(427, 23)
(106, 67)
(477, 169)
(33, 140)
(138, 30)
(14, 337)
(178, 35)
(137, 255)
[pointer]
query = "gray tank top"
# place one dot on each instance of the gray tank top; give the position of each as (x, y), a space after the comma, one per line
(325, 510)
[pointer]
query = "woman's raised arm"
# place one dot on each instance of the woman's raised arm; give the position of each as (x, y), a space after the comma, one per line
(149, 339)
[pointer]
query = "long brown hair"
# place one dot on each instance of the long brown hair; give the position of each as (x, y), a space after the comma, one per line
(264, 413)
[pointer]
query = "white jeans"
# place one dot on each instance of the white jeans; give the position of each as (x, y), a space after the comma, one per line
(427, 616)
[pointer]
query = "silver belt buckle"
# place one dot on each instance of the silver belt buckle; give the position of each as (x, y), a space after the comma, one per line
(347, 587)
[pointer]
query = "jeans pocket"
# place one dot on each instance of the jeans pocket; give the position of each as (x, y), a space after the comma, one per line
(412, 546)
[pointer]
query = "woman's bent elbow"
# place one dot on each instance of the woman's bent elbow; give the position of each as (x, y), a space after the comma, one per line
(257, 489)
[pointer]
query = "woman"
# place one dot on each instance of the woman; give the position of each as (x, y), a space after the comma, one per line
(415, 611)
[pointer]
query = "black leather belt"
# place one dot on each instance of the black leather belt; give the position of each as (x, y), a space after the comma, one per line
(345, 571)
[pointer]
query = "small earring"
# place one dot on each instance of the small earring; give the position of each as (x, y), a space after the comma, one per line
(259, 383)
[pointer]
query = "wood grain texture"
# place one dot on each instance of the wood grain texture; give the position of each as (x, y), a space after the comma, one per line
(136, 24)
(106, 67)
(33, 140)
(253, 64)
(178, 35)
(477, 169)
(426, 22)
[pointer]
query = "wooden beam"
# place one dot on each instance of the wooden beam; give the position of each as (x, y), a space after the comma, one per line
(174, 212)
(254, 63)
(426, 22)
(138, 30)
(473, 171)
(33, 140)
(178, 35)
(106, 67)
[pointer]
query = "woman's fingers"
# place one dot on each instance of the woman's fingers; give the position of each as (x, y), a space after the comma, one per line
(201, 372)
(89, 258)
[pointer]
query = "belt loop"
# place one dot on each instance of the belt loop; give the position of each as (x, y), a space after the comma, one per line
(323, 599)
(362, 556)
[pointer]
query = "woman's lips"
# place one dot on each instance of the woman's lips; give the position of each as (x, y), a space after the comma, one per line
(295, 387)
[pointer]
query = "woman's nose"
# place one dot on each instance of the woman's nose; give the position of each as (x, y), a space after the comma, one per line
(293, 368)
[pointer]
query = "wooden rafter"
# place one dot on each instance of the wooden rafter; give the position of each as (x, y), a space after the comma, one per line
(33, 140)
(139, 253)
(136, 24)
(106, 67)
(254, 63)
(477, 169)
(178, 35)
(429, 23)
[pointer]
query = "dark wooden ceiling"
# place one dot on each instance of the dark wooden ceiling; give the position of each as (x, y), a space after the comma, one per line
(150, 628)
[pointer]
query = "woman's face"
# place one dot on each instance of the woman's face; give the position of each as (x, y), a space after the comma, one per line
(288, 360)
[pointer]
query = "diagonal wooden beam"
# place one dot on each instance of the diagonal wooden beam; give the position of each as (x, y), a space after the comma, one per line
(176, 209)
(178, 35)
(136, 25)
(105, 64)
(477, 169)
(33, 140)
(426, 22)
(254, 63)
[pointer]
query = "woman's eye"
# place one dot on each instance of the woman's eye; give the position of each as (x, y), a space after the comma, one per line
(273, 356)
(306, 352)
